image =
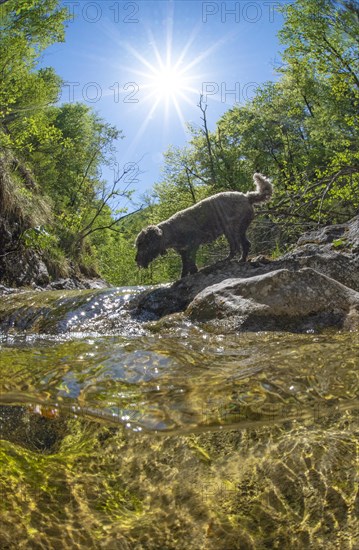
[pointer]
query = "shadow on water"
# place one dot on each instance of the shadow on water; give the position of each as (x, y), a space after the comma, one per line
(118, 434)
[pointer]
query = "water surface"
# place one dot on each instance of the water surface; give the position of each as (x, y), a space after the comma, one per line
(123, 434)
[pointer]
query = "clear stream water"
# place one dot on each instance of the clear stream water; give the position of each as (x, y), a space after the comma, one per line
(124, 434)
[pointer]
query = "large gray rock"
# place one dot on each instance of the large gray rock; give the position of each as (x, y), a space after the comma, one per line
(344, 235)
(279, 300)
(22, 268)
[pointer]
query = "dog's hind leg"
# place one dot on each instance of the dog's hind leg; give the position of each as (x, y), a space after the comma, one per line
(233, 246)
(238, 242)
(241, 234)
(235, 241)
(242, 237)
(245, 245)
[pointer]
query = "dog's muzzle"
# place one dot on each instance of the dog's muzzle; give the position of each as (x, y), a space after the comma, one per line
(142, 264)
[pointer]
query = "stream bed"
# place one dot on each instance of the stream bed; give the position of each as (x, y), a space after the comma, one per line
(125, 433)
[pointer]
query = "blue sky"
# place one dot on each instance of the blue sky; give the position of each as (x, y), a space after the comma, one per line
(142, 66)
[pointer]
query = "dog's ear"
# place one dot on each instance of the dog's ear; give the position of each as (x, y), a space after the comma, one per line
(151, 232)
(157, 242)
(154, 230)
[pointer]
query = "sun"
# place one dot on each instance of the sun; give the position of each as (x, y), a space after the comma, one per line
(165, 83)
(168, 79)
(168, 82)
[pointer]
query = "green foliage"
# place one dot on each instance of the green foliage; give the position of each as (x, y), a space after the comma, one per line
(27, 28)
(39, 238)
(337, 243)
(58, 150)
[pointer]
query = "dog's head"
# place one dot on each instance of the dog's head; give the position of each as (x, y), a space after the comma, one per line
(149, 245)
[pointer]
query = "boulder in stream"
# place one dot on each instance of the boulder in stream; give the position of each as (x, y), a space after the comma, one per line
(303, 300)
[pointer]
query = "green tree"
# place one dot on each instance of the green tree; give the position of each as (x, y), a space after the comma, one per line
(27, 28)
(55, 153)
(322, 61)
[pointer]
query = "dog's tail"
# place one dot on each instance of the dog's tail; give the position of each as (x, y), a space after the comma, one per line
(264, 189)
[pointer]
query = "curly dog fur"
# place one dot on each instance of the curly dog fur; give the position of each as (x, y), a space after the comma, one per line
(228, 213)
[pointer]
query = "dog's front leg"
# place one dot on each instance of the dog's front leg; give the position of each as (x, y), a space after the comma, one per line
(188, 262)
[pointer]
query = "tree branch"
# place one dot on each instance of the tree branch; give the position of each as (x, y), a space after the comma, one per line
(112, 224)
(208, 141)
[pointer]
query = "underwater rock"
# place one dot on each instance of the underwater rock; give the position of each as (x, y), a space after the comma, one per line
(281, 300)
(35, 427)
